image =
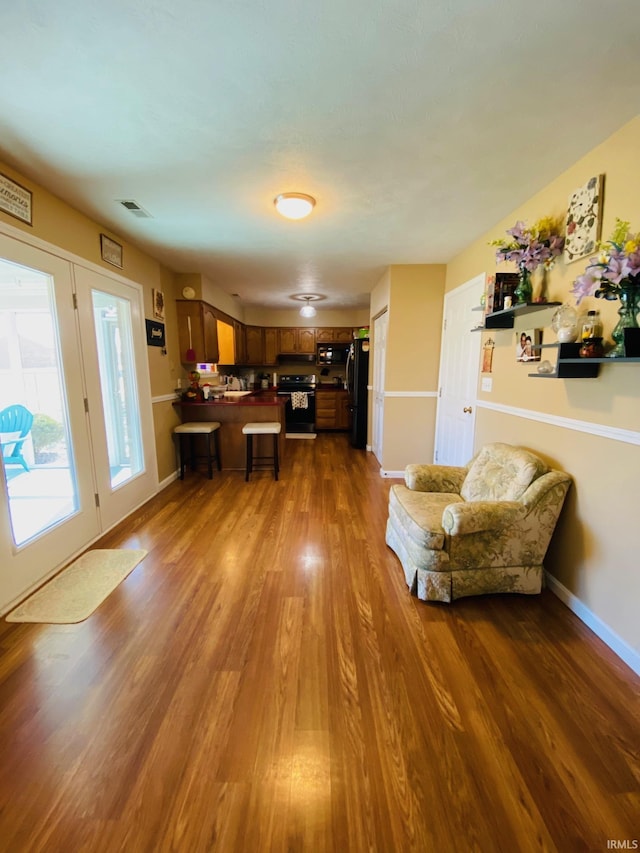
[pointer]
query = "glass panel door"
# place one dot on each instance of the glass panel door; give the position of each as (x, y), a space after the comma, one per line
(116, 364)
(47, 494)
(117, 373)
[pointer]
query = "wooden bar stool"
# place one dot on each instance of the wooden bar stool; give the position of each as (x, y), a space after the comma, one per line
(190, 430)
(266, 428)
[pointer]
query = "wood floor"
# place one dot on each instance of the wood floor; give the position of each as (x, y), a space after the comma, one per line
(263, 681)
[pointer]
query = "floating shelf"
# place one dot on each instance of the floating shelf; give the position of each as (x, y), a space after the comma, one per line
(505, 319)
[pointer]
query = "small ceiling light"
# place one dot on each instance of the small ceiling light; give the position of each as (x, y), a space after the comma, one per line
(308, 310)
(294, 205)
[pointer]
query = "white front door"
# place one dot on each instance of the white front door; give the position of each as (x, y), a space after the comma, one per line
(379, 359)
(119, 399)
(459, 365)
(47, 495)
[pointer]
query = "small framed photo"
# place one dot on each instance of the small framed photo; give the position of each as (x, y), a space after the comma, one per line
(528, 343)
(110, 251)
(15, 199)
(158, 304)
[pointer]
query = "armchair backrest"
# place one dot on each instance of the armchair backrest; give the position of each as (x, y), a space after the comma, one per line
(501, 472)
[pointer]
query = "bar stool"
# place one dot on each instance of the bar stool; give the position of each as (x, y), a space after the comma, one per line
(190, 430)
(266, 428)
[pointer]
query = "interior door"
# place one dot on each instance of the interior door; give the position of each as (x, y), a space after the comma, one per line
(47, 503)
(379, 359)
(119, 399)
(458, 381)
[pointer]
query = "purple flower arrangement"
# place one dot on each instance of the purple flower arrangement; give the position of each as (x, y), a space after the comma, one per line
(531, 247)
(616, 266)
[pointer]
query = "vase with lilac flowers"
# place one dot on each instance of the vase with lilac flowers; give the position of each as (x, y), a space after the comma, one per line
(615, 274)
(530, 248)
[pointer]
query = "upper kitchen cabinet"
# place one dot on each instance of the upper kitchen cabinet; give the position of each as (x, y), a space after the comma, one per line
(297, 341)
(271, 345)
(197, 331)
(342, 334)
(239, 340)
(254, 341)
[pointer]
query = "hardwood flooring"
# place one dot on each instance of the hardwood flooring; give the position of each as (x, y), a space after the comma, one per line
(263, 681)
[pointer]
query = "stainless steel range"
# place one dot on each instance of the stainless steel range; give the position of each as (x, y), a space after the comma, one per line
(300, 410)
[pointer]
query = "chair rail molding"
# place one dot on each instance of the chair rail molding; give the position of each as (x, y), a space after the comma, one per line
(628, 436)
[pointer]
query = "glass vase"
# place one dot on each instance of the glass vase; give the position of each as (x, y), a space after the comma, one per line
(524, 290)
(627, 312)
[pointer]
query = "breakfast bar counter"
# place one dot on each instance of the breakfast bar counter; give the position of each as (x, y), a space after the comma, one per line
(233, 414)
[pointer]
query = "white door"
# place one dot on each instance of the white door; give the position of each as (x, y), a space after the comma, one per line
(47, 495)
(118, 393)
(458, 381)
(379, 359)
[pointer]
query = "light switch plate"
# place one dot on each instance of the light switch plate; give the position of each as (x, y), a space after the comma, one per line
(487, 383)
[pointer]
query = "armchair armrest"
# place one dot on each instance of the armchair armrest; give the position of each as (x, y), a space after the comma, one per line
(435, 478)
(475, 516)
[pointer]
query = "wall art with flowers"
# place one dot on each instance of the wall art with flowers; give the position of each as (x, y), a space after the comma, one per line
(584, 220)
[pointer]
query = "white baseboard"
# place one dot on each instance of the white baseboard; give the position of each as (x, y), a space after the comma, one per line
(600, 628)
(395, 475)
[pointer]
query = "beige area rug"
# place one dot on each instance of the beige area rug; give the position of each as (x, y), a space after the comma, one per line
(78, 590)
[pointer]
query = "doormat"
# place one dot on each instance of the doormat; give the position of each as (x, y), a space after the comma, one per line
(78, 590)
(300, 435)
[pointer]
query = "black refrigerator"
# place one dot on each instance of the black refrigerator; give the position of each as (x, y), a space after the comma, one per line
(357, 381)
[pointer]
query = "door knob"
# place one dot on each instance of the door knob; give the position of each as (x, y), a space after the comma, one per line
(467, 410)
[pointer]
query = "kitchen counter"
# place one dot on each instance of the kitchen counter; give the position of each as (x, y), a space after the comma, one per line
(232, 414)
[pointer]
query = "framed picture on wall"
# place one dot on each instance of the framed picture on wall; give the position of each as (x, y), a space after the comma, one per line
(528, 344)
(158, 304)
(584, 220)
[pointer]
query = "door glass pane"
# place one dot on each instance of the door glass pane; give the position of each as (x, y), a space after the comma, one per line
(37, 456)
(112, 317)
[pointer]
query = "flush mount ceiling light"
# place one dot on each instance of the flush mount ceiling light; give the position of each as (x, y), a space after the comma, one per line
(294, 205)
(307, 309)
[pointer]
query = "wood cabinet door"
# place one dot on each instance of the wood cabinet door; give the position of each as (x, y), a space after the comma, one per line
(210, 334)
(271, 346)
(326, 410)
(287, 339)
(239, 347)
(325, 336)
(306, 341)
(255, 345)
(343, 336)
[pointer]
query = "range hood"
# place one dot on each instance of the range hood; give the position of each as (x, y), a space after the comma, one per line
(296, 358)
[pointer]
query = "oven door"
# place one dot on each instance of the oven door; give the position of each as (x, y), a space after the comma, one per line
(300, 419)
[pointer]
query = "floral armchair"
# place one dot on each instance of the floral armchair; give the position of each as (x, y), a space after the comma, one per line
(481, 528)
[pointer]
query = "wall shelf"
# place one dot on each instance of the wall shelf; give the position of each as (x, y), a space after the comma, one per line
(505, 318)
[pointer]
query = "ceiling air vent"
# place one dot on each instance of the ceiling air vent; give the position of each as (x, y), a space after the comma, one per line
(133, 207)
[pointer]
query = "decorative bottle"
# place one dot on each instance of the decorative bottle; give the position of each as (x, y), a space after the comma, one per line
(591, 326)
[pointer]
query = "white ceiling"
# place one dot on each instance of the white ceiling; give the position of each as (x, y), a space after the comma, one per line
(416, 124)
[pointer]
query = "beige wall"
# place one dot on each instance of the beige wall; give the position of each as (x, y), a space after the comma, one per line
(588, 427)
(413, 295)
(354, 317)
(62, 226)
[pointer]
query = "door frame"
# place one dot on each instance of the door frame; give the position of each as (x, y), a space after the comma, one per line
(77, 547)
(445, 347)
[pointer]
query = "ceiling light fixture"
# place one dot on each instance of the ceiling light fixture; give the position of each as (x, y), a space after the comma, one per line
(294, 205)
(307, 309)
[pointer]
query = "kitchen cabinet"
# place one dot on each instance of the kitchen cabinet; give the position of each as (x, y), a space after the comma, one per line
(332, 410)
(254, 342)
(341, 334)
(292, 341)
(239, 342)
(270, 345)
(197, 330)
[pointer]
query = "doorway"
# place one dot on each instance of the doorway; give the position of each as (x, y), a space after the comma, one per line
(458, 380)
(86, 450)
